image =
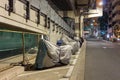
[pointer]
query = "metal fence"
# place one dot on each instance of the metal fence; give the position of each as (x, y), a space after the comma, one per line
(17, 47)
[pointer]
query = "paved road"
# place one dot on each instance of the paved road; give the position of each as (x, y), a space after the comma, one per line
(102, 61)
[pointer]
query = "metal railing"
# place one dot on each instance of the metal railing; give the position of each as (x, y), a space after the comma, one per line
(50, 12)
(17, 47)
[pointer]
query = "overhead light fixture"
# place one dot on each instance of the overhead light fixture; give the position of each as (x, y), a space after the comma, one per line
(101, 3)
(91, 24)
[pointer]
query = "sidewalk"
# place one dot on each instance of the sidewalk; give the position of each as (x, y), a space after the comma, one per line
(74, 71)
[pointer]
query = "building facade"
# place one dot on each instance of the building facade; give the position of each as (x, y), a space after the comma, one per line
(114, 17)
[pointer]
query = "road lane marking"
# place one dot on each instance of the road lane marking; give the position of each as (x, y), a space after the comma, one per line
(104, 47)
(69, 73)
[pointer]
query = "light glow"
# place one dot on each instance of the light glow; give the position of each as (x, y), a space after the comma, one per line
(118, 39)
(101, 3)
(108, 36)
(91, 24)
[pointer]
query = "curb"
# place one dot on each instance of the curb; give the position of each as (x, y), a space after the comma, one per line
(72, 67)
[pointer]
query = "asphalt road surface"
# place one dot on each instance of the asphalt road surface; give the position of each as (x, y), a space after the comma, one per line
(102, 60)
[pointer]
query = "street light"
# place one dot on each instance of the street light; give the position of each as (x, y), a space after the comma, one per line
(93, 20)
(91, 24)
(100, 3)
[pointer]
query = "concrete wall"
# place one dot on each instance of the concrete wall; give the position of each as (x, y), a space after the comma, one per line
(71, 14)
(55, 33)
(18, 20)
(81, 25)
(77, 26)
(79, 22)
(77, 29)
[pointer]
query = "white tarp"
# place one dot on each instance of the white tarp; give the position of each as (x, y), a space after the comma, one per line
(65, 54)
(49, 55)
(53, 51)
(68, 41)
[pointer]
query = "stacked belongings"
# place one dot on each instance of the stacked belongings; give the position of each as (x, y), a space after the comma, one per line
(49, 55)
(80, 40)
(68, 41)
(65, 54)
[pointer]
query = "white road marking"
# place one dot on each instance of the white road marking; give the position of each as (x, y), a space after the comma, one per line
(74, 62)
(104, 47)
(69, 73)
(64, 79)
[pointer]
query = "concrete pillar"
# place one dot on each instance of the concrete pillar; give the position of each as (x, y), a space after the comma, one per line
(77, 26)
(77, 29)
(81, 25)
(71, 14)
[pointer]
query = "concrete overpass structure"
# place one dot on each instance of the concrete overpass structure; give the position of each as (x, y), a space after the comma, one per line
(77, 10)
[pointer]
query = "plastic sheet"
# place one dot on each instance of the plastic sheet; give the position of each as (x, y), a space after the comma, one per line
(49, 55)
(65, 54)
(68, 41)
